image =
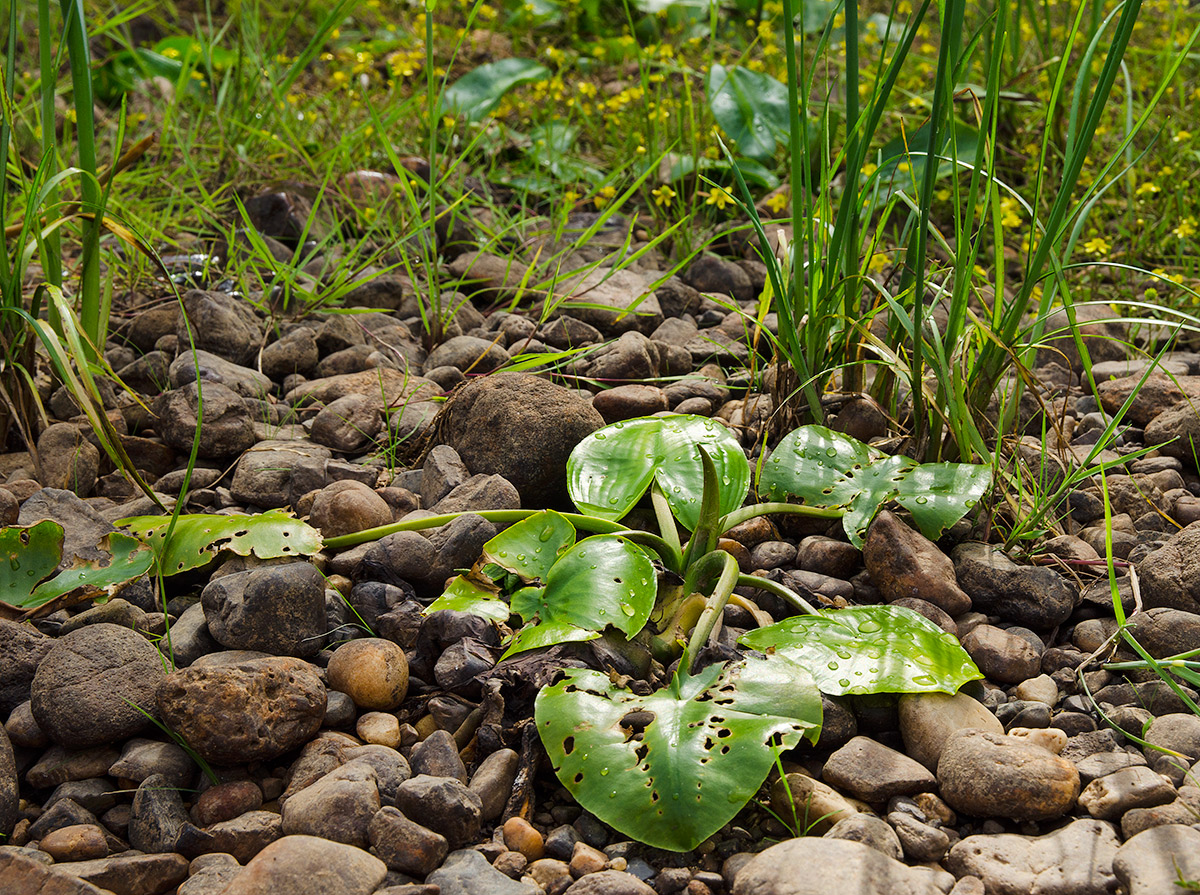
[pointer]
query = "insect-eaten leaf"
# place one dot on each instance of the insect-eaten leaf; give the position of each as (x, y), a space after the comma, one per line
(198, 538)
(610, 470)
(828, 469)
(33, 552)
(870, 649)
(672, 768)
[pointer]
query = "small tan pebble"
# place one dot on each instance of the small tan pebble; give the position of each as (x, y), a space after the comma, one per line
(1038, 689)
(424, 727)
(520, 835)
(371, 671)
(620, 864)
(379, 729)
(934, 807)
(511, 864)
(696, 887)
(1047, 737)
(78, 842)
(585, 860)
(552, 875)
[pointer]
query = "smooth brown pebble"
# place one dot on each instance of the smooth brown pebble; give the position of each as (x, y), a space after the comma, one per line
(78, 842)
(511, 863)
(371, 671)
(520, 835)
(379, 729)
(585, 860)
(225, 801)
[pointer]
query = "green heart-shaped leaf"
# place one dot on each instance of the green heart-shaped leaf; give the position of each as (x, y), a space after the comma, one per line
(480, 90)
(466, 595)
(530, 547)
(702, 757)
(28, 555)
(828, 469)
(870, 649)
(610, 470)
(198, 538)
(603, 580)
(752, 108)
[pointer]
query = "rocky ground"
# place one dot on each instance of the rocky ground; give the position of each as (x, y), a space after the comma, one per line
(359, 746)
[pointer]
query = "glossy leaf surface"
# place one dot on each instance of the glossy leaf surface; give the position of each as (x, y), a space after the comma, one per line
(480, 90)
(603, 580)
(530, 547)
(610, 470)
(870, 649)
(828, 469)
(465, 594)
(703, 755)
(31, 554)
(752, 109)
(198, 538)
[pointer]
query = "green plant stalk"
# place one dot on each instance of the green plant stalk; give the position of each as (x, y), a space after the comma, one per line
(708, 530)
(993, 355)
(852, 373)
(779, 590)
(1123, 622)
(793, 298)
(85, 133)
(52, 255)
(712, 610)
(913, 281)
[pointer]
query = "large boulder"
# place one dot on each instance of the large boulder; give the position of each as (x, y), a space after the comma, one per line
(520, 427)
(96, 686)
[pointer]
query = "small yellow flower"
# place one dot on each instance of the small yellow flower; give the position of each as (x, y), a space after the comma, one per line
(1182, 137)
(778, 202)
(604, 195)
(878, 262)
(1097, 245)
(570, 197)
(663, 195)
(1147, 189)
(1186, 228)
(719, 196)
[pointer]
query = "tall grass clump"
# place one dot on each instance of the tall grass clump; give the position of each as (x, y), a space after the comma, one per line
(933, 337)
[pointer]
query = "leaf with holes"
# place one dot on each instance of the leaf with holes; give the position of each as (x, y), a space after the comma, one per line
(603, 580)
(610, 470)
(828, 469)
(33, 553)
(870, 649)
(198, 538)
(530, 547)
(672, 768)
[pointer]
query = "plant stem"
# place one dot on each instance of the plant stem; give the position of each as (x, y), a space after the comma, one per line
(587, 523)
(779, 590)
(745, 514)
(713, 609)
